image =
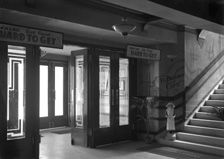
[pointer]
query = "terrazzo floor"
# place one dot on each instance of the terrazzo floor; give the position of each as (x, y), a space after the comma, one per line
(57, 146)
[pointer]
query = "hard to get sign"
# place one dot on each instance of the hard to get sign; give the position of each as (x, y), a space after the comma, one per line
(11, 33)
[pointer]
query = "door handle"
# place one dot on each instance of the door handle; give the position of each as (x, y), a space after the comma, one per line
(53, 94)
(49, 96)
(117, 96)
(112, 96)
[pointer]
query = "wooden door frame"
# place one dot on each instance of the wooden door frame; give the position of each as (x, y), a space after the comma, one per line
(32, 101)
(3, 97)
(79, 136)
(91, 82)
(65, 91)
(43, 120)
(51, 79)
(94, 105)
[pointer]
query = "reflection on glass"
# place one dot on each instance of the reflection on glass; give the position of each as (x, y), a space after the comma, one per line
(124, 92)
(43, 96)
(104, 91)
(16, 92)
(79, 97)
(59, 90)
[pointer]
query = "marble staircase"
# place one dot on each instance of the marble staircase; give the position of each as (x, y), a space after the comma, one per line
(204, 130)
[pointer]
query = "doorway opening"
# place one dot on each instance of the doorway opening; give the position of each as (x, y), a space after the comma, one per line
(54, 103)
(53, 94)
(97, 102)
(54, 99)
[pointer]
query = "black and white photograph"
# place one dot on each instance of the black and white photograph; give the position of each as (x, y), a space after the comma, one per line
(111, 79)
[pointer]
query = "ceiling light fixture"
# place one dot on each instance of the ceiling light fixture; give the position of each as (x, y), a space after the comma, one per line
(171, 56)
(124, 29)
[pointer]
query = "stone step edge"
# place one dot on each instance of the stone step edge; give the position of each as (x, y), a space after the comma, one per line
(204, 136)
(205, 120)
(175, 142)
(202, 127)
(186, 142)
(218, 121)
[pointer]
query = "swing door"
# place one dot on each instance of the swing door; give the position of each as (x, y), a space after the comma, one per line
(19, 101)
(110, 112)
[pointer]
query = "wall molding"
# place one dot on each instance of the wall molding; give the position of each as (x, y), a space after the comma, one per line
(177, 96)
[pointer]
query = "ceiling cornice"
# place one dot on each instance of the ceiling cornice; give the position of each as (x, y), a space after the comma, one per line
(107, 8)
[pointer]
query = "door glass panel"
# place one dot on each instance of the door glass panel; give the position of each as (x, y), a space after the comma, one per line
(104, 91)
(43, 96)
(59, 90)
(79, 96)
(123, 91)
(16, 98)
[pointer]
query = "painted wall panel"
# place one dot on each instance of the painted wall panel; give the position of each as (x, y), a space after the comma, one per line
(197, 57)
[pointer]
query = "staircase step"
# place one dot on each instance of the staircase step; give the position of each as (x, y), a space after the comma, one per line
(216, 97)
(204, 131)
(216, 151)
(207, 123)
(207, 109)
(219, 91)
(221, 86)
(201, 139)
(214, 103)
(207, 116)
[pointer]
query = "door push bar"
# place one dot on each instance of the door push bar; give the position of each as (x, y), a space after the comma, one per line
(116, 96)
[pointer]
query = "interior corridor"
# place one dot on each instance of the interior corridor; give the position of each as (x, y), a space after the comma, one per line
(55, 144)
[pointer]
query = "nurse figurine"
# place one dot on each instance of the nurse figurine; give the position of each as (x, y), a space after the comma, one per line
(170, 114)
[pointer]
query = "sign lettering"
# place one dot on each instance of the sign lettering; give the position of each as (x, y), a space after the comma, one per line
(143, 53)
(11, 33)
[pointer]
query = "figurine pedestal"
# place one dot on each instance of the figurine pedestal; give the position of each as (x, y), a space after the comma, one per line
(170, 136)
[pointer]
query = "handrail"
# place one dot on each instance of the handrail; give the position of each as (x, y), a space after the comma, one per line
(182, 119)
(202, 74)
(199, 77)
(170, 98)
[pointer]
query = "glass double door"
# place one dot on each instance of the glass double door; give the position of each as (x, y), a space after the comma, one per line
(53, 94)
(100, 112)
(111, 91)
